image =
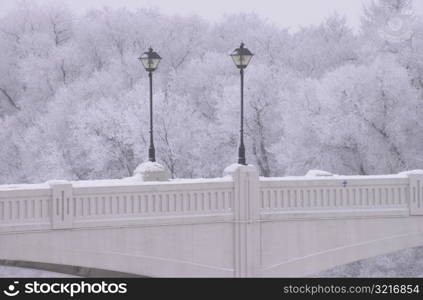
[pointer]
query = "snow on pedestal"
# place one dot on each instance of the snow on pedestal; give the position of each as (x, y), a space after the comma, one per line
(411, 172)
(318, 173)
(230, 170)
(151, 171)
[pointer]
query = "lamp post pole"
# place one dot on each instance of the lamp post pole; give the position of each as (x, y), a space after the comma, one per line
(241, 150)
(151, 150)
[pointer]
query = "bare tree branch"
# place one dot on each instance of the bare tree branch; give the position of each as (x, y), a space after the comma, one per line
(9, 99)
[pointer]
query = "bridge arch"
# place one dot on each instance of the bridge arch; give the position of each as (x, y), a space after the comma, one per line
(325, 256)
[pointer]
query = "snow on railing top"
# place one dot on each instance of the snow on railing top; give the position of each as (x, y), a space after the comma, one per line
(328, 176)
(20, 187)
(111, 183)
(313, 175)
(129, 181)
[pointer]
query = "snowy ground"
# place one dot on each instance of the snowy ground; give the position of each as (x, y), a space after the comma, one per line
(7, 271)
(406, 263)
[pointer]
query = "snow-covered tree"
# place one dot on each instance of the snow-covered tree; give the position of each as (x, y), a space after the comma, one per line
(74, 97)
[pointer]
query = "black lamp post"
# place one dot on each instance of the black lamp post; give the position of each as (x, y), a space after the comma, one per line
(241, 57)
(150, 61)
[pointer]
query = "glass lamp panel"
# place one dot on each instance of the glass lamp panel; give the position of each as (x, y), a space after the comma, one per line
(145, 61)
(154, 63)
(237, 59)
(150, 64)
(245, 59)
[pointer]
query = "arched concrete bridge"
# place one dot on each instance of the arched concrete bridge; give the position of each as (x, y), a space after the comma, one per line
(239, 225)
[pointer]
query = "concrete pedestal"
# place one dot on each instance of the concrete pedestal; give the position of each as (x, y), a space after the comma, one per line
(247, 219)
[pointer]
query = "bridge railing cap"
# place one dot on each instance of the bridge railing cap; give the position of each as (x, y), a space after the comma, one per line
(411, 172)
(58, 182)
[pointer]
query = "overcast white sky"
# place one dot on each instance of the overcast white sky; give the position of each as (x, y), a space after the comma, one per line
(286, 13)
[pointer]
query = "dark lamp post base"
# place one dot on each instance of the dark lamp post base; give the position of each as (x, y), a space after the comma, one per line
(151, 154)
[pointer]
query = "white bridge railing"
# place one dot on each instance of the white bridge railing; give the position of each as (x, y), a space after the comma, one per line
(66, 204)
(350, 195)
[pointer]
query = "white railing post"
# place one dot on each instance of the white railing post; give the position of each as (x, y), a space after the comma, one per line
(246, 210)
(416, 194)
(61, 204)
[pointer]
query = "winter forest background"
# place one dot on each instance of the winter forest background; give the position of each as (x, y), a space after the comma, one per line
(74, 98)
